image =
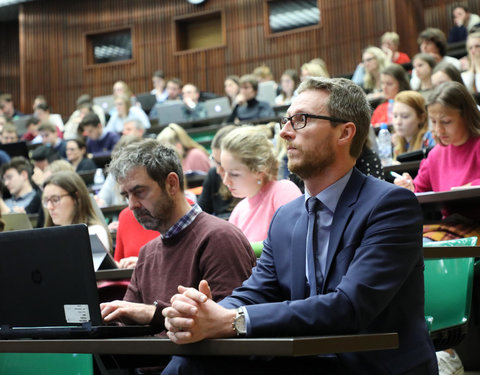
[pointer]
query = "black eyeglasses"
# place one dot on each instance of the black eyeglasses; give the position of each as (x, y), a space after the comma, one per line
(299, 120)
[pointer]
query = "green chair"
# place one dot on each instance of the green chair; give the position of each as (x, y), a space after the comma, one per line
(257, 248)
(448, 295)
(45, 364)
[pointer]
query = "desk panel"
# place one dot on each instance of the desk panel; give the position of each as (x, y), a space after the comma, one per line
(451, 252)
(287, 346)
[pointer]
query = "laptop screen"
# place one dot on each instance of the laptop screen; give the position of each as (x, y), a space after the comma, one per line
(47, 278)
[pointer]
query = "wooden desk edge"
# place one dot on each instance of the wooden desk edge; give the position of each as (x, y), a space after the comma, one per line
(290, 346)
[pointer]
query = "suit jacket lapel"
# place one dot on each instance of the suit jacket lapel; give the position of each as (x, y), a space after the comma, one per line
(341, 217)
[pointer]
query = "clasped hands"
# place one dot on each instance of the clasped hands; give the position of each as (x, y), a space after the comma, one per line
(194, 316)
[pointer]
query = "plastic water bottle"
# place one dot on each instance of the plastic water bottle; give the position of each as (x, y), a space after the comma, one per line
(385, 145)
(99, 178)
(390, 111)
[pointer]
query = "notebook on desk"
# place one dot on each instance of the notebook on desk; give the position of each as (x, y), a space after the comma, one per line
(48, 287)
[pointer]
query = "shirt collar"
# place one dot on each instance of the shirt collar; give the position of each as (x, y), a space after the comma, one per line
(184, 222)
(331, 195)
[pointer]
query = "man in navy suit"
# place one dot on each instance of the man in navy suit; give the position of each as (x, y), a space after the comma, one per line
(369, 260)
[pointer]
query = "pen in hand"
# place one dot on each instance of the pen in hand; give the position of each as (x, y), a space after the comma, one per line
(395, 174)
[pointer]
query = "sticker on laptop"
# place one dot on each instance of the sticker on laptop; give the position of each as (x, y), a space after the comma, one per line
(76, 313)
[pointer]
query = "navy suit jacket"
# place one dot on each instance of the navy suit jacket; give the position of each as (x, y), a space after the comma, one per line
(373, 280)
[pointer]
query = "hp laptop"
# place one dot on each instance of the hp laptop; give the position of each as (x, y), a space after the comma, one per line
(107, 102)
(218, 107)
(102, 260)
(169, 112)
(48, 287)
(16, 221)
(15, 149)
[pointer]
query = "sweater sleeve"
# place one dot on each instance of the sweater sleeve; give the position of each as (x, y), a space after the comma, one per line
(422, 182)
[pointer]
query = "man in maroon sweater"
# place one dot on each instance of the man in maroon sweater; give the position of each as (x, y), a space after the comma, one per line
(193, 246)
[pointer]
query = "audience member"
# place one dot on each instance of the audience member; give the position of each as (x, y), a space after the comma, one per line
(394, 79)
(133, 127)
(48, 132)
(445, 72)
(76, 155)
(288, 84)
(263, 74)
(7, 108)
(423, 63)
(193, 156)
(192, 246)
(374, 61)
(66, 201)
(250, 171)
(32, 135)
(159, 90)
(193, 109)
(39, 99)
(410, 123)
(9, 134)
(124, 110)
(373, 280)
(471, 77)
(16, 176)
(232, 88)
(314, 68)
(216, 199)
(454, 162)
(42, 157)
(42, 112)
(120, 88)
(100, 142)
(390, 42)
(464, 23)
(433, 42)
(84, 106)
(248, 107)
(4, 158)
(174, 88)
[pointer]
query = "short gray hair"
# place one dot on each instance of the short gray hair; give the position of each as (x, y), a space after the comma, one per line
(346, 101)
(138, 124)
(157, 159)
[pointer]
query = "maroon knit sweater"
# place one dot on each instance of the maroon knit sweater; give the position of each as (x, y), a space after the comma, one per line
(209, 248)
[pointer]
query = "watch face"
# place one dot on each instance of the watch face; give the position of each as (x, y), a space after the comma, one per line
(240, 325)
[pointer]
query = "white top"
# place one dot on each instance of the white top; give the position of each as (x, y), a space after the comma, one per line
(468, 78)
(415, 81)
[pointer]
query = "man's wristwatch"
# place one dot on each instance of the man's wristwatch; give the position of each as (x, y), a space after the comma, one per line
(238, 323)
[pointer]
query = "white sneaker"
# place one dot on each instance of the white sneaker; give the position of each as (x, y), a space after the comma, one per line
(449, 364)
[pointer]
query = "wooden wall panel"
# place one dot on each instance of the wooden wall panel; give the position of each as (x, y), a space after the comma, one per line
(53, 33)
(10, 60)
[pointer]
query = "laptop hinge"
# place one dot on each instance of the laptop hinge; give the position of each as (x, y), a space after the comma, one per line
(87, 326)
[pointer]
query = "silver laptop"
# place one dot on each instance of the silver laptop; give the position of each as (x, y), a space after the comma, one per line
(267, 92)
(107, 102)
(16, 221)
(169, 112)
(218, 107)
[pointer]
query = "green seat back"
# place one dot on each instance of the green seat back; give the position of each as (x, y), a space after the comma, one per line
(448, 287)
(257, 248)
(45, 364)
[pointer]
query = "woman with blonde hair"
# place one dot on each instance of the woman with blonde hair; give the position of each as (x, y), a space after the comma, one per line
(374, 61)
(123, 111)
(66, 201)
(472, 76)
(250, 172)
(410, 123)
(193, 155)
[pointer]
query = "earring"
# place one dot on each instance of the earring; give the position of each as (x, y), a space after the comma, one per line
(259, 182)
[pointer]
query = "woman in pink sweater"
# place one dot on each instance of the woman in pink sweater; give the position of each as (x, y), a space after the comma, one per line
(251, 167)
(455, 160)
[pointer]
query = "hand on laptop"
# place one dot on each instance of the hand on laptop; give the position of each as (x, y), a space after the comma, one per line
(129, 262)
(127, 312)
